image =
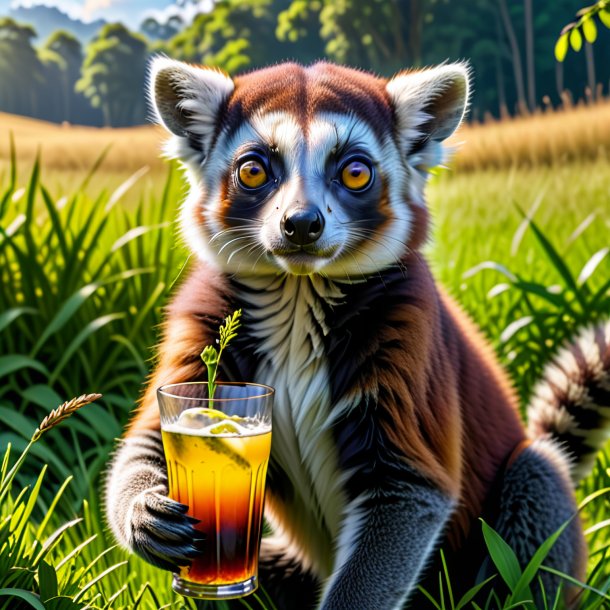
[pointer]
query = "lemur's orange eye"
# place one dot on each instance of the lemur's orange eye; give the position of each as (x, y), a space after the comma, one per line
(356, 175)
(252, 174)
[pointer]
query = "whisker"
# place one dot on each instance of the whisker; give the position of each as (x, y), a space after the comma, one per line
(226, 232)
(232, 241)
(236, 251)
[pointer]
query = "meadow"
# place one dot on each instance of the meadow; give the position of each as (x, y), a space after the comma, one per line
(89, 255)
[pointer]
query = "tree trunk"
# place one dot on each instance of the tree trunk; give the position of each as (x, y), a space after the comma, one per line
(514, 47)
(415, 26)
(529, 54)
(590, 70)
(559, 78)
(399, 43)
(106, 113)
(502, 107)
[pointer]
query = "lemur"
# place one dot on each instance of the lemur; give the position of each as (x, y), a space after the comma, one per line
(394, 429)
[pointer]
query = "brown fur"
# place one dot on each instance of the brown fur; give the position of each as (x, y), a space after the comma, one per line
(321, 87)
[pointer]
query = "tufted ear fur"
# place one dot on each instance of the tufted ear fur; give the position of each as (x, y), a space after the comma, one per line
(187, 99)
(430, 105)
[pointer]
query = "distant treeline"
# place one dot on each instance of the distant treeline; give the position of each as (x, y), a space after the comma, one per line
(509, 44)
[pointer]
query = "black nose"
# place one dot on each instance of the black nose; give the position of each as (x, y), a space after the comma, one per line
(303, 226)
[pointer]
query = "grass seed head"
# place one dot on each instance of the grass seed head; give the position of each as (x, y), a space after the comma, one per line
(64, 411)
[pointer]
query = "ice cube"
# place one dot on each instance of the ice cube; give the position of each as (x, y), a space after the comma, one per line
(197, 418)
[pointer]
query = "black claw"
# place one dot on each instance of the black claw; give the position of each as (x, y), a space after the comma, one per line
(192, 552)
(200, 544)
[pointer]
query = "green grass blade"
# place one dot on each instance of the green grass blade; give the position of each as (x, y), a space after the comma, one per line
(99, 577)
(471, 593)
(51, 510)
(5, 462)
(57, 229)
(10, 315)
(503, 556)
(54, 538)
(47, 580)
(100, 159)
(576, 582)
(522, 586)
(26, 596)
(31, 192)
(75, 551)
(591, 265)
(555, 258)
(91, 328)
(29, 507)
(16, 362)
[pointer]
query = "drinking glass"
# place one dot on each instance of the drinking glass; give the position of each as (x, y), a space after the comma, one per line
(217, 451)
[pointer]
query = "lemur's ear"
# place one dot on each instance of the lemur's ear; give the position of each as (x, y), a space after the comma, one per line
(430, 104)
(186, 99)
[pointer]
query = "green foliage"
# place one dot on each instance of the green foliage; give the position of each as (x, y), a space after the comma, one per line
(547, 315)
(509, 48)
(229, 37)
(372, 34)
(527, 290)
(113, 74)
(21, 70)
(517, 579)
(62, 56)
(211, 356)
(72, 273)
(584, 26)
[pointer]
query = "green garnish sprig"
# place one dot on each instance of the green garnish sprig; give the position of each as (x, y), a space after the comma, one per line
(211, 356)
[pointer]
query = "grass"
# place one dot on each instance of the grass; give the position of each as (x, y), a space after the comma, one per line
(571, 134)
(86, 268)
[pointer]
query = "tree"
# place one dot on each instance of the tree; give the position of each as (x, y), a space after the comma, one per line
(235, 35)
(154, 30)
(64, 51)
(21, 71)
(113, 75)
(368, 33)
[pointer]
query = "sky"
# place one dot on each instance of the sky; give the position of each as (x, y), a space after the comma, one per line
(130, 12)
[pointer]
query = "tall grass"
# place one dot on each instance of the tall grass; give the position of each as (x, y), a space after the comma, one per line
(551, 137)
(82, 285)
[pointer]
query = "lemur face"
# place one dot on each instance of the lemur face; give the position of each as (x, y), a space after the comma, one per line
(306, 170)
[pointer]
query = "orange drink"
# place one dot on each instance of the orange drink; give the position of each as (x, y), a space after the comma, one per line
(217, 453)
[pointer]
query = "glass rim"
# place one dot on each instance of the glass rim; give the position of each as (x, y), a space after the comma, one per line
(163, 390)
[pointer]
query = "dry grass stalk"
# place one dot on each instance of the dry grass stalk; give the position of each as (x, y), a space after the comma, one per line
(548, 138)
(64, 411)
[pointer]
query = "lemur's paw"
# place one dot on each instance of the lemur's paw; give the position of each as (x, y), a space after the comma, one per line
(161, 531)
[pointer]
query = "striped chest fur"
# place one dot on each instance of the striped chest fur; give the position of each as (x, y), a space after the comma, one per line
(286, 319)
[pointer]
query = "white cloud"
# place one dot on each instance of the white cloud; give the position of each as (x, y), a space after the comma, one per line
(186, 13)
(95, 6)
(130, 12)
